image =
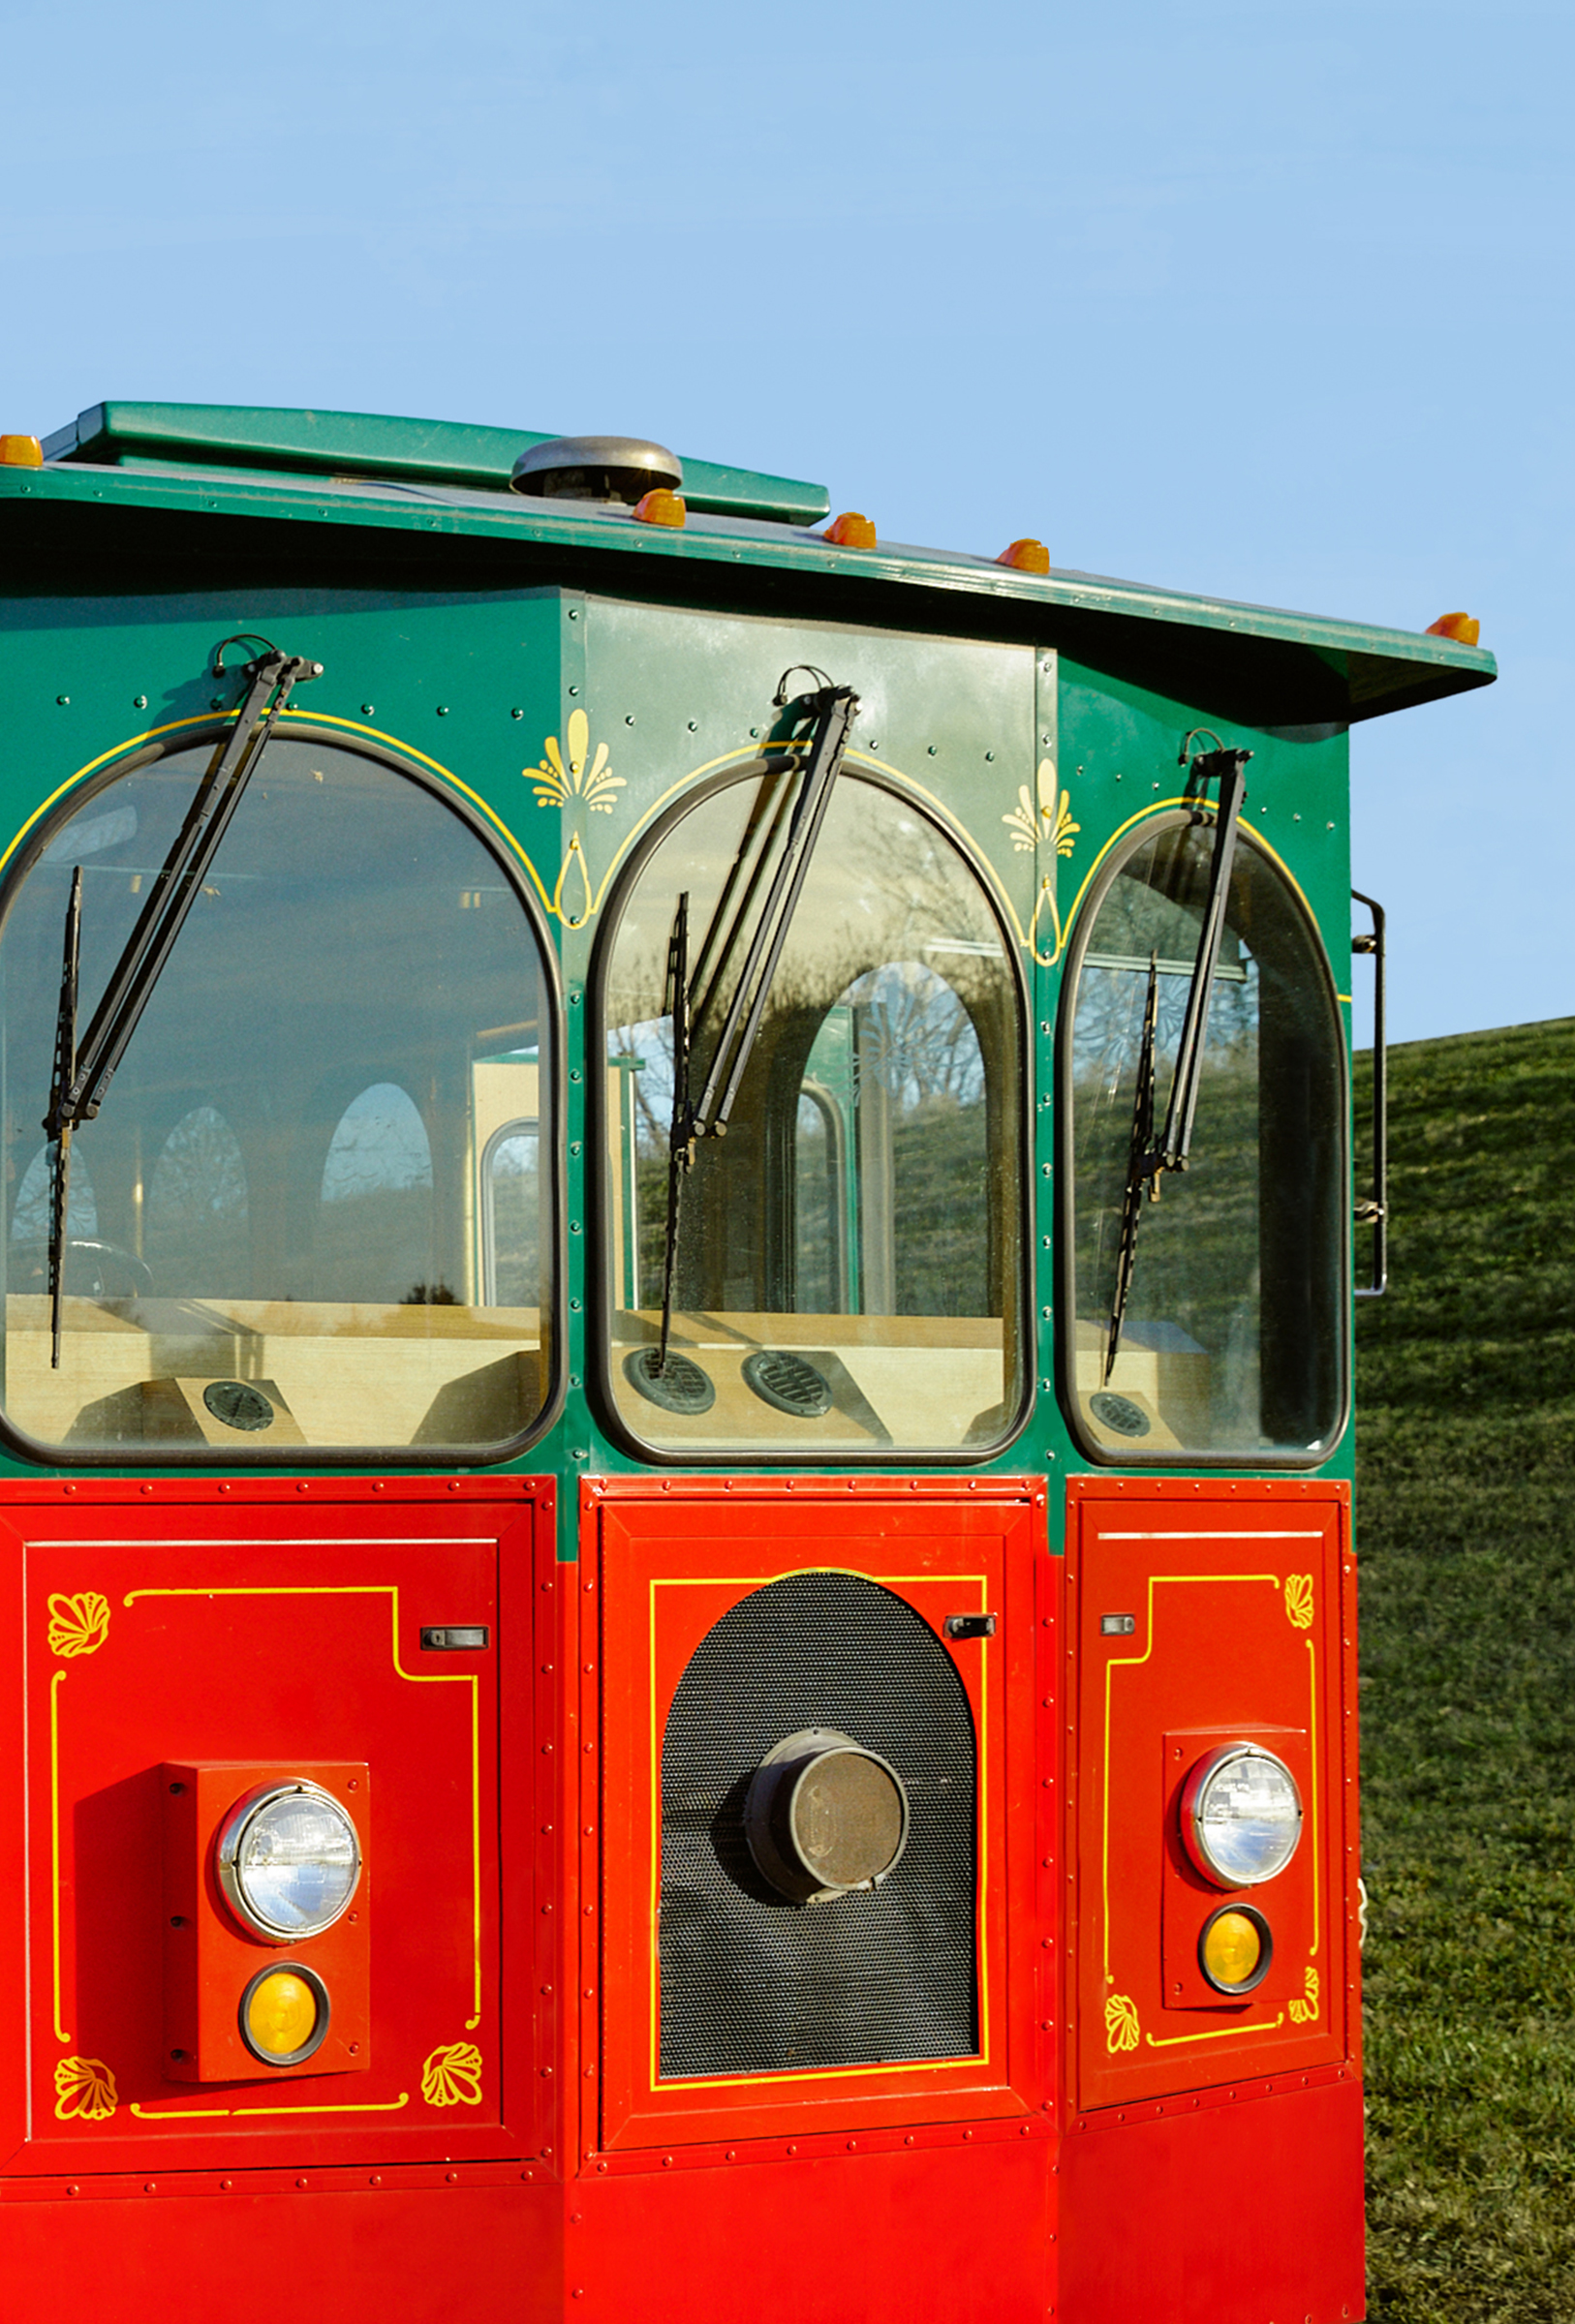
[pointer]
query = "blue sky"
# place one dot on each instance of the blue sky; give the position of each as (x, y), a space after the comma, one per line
(1266, 300)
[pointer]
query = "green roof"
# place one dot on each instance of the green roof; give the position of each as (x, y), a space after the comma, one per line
(366, 444)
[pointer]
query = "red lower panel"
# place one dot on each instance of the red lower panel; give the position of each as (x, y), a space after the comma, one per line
(961, 2237)
(1221, 2215)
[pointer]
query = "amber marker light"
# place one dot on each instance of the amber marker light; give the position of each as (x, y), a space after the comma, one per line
(20, 451)
(660, 506)
(1235, 1949)
(1025, 557)
(851, 531)
(284, 2014)
(1457, 627)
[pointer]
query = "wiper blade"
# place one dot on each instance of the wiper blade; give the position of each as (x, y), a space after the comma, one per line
(832, 710)
(1142, 1169)
(681, 1144)
(65, 1073)
(1148, 1157)
(175, 889)
(83, 1075)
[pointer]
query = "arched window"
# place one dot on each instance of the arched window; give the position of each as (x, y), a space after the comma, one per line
(282, 1181)
(1211, 1322)
(847, 1270)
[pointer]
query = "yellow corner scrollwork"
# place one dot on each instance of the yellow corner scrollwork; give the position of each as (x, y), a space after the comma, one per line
(452, 2075)
(84, 2090)
(77, 1625)
(1042, 816)
(572, 773)
(1121, 2027)
(1299, 1600)
(1304, 2011)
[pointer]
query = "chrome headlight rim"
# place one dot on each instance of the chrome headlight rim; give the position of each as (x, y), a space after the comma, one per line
(1193, 1797)
(233, 1840)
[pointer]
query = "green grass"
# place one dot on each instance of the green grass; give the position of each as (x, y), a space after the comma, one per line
(1466, 1525)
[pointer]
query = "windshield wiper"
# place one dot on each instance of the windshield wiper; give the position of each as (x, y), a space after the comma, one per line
(831, 710)
(1150, 1157)
(1141, 1176)
(83, 1075)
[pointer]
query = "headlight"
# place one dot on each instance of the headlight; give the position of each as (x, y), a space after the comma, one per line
(288, 1861)
(1241, 1816)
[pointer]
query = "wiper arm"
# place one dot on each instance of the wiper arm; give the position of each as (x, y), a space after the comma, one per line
(83, 1075)
(833, 710)
(834, 707)
(1148, 1158)
(1176, 1142)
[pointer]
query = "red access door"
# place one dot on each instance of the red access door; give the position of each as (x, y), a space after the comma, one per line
(179, 1652)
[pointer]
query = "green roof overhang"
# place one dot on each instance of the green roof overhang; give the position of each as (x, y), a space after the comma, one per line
(409, 498)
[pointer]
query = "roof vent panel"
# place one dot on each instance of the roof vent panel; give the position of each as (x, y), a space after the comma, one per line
(620, 469)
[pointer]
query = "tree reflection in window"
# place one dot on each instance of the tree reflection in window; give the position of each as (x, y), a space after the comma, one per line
(197, 1220)
(375, 1219)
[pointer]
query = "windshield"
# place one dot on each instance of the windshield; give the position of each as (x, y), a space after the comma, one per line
(1231, 1330)
(310, 1212)
(847, 1263)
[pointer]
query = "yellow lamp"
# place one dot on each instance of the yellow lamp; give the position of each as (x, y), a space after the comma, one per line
(1235, 1949)
(851, 531)
(284, 2015)
(660, 506)
(20, 451)
(1025, 557)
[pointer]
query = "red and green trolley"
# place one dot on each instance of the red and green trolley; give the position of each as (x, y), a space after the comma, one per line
(675, 1397)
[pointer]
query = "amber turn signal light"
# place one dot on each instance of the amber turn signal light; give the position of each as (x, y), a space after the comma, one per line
(1025, 557)
(1235, 1949)
(1456, 625)
(851, 531)
(660, 506)
(20, 451)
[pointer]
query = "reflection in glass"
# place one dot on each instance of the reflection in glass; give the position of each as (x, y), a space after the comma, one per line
(284, 1185)
(863, 1208)
(1232, 1333)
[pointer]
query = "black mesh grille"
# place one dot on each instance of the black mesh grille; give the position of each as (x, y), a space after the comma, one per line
(750, 1982)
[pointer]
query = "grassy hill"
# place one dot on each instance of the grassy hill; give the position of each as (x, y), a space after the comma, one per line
(1465, 1516)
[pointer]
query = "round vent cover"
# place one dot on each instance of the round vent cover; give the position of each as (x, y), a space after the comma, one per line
(789, 1382)
(1119, 1413)
(677, 1385)
(597, 467)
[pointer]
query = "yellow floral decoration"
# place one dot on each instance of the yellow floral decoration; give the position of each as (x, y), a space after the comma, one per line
(573, 773)
(1303, 2012)
(452, 2075)
(1299, 1600)
(1120, 2023)
(77, 1625)
(1055, 814)
(84, 2090)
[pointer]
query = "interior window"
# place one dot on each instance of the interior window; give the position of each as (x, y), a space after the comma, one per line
(285, 1190)
(845, 1270)
(1228, 1336)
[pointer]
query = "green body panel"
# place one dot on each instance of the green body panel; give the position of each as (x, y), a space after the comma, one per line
(1039, 720)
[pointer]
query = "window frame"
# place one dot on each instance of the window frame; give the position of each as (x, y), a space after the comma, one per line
(1244, 1459)
(600, 1290)
(338, 1460)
